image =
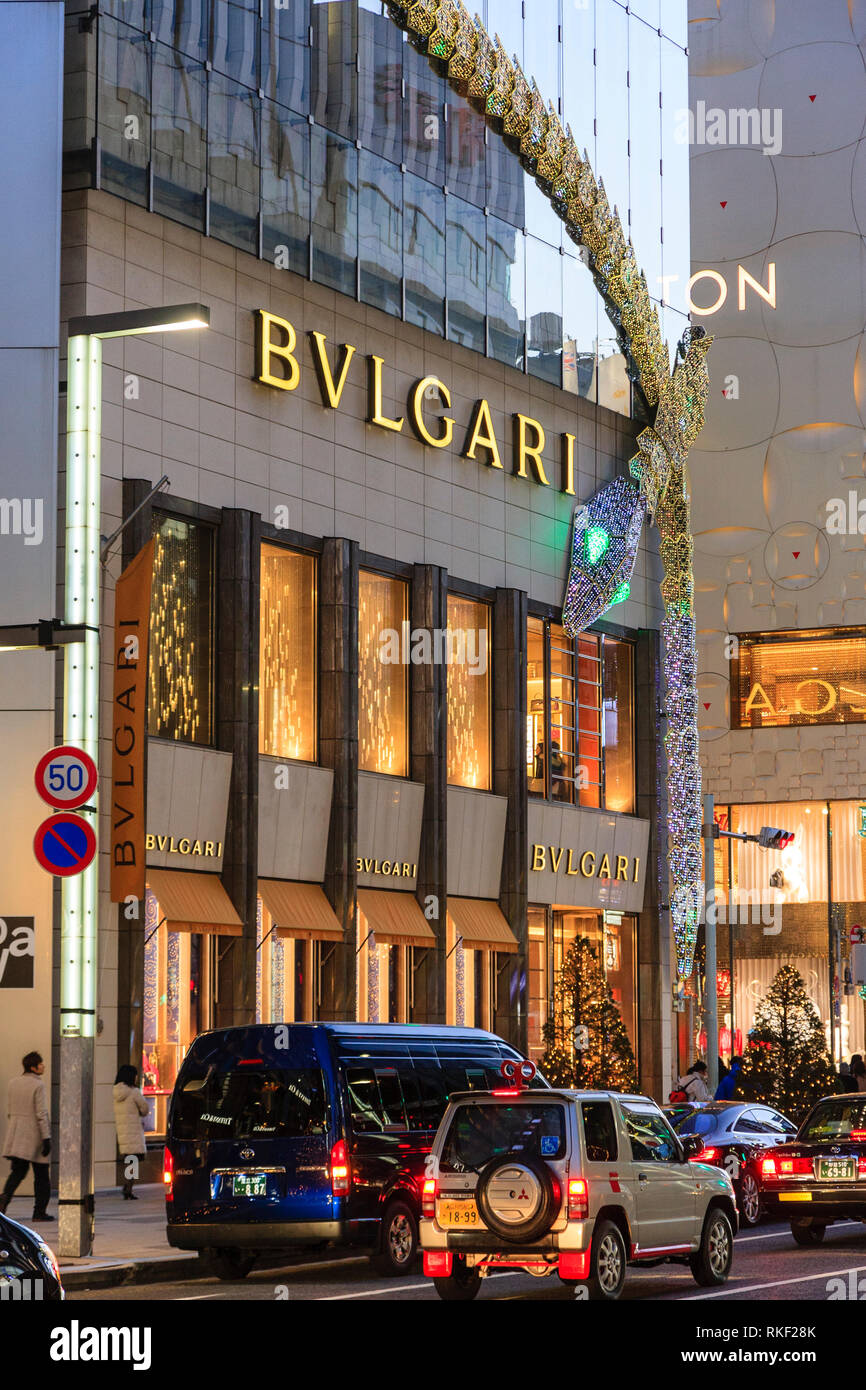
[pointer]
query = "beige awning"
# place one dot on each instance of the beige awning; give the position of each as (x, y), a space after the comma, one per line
(194, 902)
(395, 917)
(481, 924)
(300, 910)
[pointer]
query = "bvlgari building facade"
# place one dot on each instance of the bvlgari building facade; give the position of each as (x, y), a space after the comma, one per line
(382, 780)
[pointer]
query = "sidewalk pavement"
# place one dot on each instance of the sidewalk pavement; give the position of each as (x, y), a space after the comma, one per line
(129, 1244)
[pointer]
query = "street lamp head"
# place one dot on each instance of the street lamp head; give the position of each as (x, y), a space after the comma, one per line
(169, 318)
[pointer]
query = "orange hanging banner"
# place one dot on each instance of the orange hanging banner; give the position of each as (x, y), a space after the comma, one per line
(128, 731)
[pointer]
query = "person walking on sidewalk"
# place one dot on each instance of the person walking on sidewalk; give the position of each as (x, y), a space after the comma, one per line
(28, 1136)
(129, 1107)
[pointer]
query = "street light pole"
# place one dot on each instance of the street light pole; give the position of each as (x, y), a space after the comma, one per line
(80, 893)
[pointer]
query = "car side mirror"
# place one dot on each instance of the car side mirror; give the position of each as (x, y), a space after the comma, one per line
(692, 1145)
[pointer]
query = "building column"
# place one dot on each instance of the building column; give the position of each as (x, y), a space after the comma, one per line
(509, 779)
(655, 977)
(428, 763)
(338, 749)
(237, 731)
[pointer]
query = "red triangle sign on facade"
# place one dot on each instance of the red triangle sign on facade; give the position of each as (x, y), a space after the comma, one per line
(707, 704)
(724, 204)
(813, 98)
(796, 554)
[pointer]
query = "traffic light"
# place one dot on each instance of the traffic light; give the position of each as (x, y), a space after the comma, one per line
(771, 838)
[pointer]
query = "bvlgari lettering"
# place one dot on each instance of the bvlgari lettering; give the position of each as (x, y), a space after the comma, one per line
(588, 863)
(387, 868)
(170, 844)
(278, 364)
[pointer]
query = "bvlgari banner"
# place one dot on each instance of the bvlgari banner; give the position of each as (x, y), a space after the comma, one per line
(129, 708)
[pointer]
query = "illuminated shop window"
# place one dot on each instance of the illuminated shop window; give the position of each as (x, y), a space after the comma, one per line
(180, 665)
(287, 655)
(613, 938)
(383, 675)
(816, 677)
(178, 970)
(468, 693)
(617, 679)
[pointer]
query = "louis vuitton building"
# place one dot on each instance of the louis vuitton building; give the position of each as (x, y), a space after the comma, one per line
(382, 780)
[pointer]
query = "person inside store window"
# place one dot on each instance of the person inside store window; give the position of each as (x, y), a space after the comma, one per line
(858, 1071)
(538, 774)
(557, 771)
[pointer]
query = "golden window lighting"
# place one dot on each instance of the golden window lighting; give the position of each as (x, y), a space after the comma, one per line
(382, 685)
(180, 686)
(468, 693)
(800, 678)
(287, 655)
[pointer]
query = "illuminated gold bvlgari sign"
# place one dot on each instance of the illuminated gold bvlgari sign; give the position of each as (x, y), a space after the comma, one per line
(559, 859)
(278, 365)
(813, 679)
(185, 844)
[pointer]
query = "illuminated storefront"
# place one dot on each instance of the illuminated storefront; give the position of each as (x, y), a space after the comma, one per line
(800, 678)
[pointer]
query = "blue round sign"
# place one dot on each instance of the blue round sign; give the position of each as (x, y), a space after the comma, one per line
(64, 844)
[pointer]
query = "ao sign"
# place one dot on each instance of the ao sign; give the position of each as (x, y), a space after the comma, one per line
(720, 289)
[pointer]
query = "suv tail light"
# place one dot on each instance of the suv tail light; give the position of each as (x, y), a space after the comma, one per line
(341, 1173)
(168, 1175)
(578, 1199)
(428, 1199)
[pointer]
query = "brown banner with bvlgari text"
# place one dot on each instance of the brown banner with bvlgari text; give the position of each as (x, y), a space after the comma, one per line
(128, 713)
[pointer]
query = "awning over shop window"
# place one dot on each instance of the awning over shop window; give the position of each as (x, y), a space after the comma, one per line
(395, 917)
(481, 924)
(300, 910)
(194, 902)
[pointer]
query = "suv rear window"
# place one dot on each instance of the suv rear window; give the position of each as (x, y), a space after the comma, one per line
(479, 1133)
(249, 1102)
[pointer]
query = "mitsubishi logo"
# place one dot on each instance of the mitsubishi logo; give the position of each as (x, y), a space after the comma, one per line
(523, 1195)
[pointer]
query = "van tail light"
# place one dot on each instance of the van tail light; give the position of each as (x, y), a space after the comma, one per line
(341, 1173)
(705, 1156)
(428, 1199)
(168, 1175)
(861, 1166)
(768, 1167)
(578, 1199)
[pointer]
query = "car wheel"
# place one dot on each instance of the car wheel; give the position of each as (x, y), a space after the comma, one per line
(749, 1200)
(399, 1241)
(230, 1264)
(461, 1286)
(805, 1233)
(606, 1263)
(711, 1262)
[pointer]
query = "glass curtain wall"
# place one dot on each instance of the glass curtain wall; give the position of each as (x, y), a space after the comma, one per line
(316, 136)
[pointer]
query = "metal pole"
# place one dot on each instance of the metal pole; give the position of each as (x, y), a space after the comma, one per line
(831, 938)
(80, 894)
(734, 1048)
(711, 1001)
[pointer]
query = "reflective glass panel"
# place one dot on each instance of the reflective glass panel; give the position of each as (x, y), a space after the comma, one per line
(466, 273)
(380, 232)
(465, 161)
(611, 56)
(235, 49)
(123, 110)
(581, 306)
(544, 311)
(380, 82)
(578, 84)
(334, 166)
(424, 253)
(285, 188)
(179, 149)
(423, 118)
(286, 55)
(645, 145)
(234, 119)
(506, 292)
(334, 66)
(676, 265)
(181, 23)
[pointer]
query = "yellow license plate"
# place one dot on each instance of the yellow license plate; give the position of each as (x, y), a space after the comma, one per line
(457, 1214)
(795, 1196)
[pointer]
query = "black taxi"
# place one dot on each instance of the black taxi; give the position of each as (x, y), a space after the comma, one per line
(820, 1177)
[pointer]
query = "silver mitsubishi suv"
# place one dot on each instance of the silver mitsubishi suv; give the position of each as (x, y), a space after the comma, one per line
(575, 1183)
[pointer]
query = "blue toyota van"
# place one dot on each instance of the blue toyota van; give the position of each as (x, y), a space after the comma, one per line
(313, 1134)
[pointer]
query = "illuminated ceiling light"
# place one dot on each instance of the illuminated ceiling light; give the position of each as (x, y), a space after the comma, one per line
(596, 544)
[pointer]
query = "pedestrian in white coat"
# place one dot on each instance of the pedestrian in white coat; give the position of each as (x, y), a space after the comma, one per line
(129, 1108)
(28, 1136)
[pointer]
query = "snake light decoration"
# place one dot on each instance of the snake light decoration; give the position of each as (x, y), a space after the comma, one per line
(607, 530)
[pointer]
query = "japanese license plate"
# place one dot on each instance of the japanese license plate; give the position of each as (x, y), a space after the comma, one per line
(836, 1169)
(250, 1185)
(460, 1213)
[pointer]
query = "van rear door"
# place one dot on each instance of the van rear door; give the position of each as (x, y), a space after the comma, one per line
(260, 1122)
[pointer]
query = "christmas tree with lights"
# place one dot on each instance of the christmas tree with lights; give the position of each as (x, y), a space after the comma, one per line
(786, 1062)
(584, 1011)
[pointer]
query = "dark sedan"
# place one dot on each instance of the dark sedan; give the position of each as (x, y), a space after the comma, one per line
(735, 1135)
(28, 1267)
(820, 1177)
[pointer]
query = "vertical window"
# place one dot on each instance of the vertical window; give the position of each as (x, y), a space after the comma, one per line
(180, 666)
(423, 254)
(179, 146)
(468, 693)
(123, 106)
(466, 273)
(287, 655)
(285, 189)
(380, 233)
(234, 156)
(618, 714)
(334, 179)
(537, 982)
(589, 719)
(383, 696)
(536, 731)
(506, 292)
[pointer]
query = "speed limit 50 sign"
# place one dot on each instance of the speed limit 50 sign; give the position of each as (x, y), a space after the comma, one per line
(66, 777)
